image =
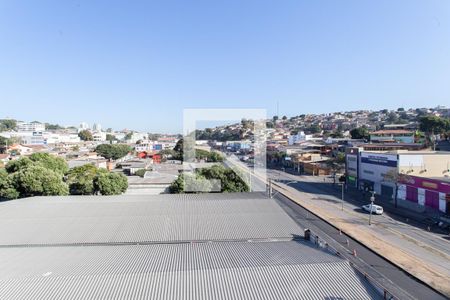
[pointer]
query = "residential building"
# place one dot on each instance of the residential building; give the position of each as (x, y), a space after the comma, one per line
(99, 136)
(299, 137)
(32, 137)
(394, 135)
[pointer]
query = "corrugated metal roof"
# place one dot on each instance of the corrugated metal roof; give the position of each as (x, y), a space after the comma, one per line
(230, 270)
(129, 218)
(69, 248)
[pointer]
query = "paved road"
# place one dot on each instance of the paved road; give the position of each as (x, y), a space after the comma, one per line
(395, 274)
(413, 233)
(306, 220)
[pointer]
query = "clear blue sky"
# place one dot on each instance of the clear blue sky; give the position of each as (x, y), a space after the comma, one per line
(138, 64)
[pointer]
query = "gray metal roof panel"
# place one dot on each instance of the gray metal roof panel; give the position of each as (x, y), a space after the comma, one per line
(128, 218)
(262, 270)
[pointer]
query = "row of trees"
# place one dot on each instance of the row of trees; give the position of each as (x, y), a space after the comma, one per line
(44, 175)
(206, 179)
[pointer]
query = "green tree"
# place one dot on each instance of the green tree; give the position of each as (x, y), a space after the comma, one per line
(81, 180)
(85, 135)
(315, 128)
(154, 136)
(336, 164)
(128, 136)
(394, 177)
(270, 125)
(337, 134)
(215, 156)
(7, 189)
(7, 124)
(49, 126)
(432, 125)
(114, 152)
(107, 183)
(196, 183)
(110, 137)
(209, 156)
(51, 162)
(177, 187)
(230, 180)
(18, 164)
(179, 149)
(36, 180)
(37, 175)
(392, 118)
(360, 133)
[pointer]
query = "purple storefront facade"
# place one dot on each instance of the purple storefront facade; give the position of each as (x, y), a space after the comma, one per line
(431, 193)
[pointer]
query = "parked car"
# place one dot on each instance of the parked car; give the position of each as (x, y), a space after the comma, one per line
(376, 209)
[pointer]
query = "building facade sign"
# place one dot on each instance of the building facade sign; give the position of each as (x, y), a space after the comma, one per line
(388, 160)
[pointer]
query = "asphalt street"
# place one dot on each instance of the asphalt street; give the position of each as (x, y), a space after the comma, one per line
(406, 284)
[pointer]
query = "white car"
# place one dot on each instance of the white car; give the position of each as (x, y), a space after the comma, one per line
(376, 209)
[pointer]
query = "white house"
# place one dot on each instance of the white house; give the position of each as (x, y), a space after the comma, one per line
(299, 137)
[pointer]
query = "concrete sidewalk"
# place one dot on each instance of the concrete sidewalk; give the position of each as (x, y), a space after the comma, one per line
(425, 220)
(429, 264)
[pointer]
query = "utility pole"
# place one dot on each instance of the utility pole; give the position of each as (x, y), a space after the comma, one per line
(342, 185)
(372, 200)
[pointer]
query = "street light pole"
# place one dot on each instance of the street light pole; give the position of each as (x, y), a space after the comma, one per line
(342, 185)
(372, 199)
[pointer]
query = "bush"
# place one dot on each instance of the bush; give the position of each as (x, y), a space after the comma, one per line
(140, 172)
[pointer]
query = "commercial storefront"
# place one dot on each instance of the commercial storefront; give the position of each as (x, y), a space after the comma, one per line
(351, 166)
(431, 193)
(373, 168)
